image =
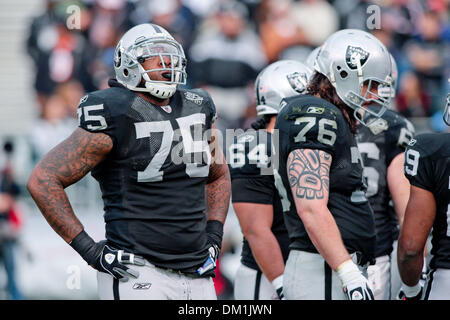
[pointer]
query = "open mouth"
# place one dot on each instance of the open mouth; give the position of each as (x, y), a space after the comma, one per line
(167, 75)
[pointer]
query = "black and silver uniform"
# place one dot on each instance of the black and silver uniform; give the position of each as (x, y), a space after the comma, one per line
(252, 181)
(308, 122)
(154, 200)
(379, 143)
(427, 166)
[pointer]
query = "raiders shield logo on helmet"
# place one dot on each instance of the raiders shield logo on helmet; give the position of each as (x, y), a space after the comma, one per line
(298, 81)
(354, 54)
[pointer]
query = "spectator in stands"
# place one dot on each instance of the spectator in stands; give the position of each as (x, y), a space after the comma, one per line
(55, 125)
(318, 13)
(225, 59)
(109, 20)
(42, 37)
(400, 17)
(71, 92)
(57, 52)
(411, 99)
(429, 55)
(277, 28)
(9, 234)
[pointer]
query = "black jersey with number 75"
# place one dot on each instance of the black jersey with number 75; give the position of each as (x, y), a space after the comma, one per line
(153, 181)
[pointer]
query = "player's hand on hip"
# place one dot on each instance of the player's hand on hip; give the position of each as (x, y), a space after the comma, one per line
(211, 261)
(104, 258)
(355, 285)
(214, 233)
(115, 262)
(410, 293)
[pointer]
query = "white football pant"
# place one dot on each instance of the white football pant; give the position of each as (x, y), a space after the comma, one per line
(155, 284)
(250, 284)
(307, 276)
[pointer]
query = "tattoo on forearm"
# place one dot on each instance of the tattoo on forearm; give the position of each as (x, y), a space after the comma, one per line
(218, 191)
(64, 165)
(308, 172)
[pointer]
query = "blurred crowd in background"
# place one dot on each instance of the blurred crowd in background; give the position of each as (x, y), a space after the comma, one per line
(227, 43)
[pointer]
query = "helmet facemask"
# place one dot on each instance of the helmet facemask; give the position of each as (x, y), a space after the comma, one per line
(377, 93)
(171, 56)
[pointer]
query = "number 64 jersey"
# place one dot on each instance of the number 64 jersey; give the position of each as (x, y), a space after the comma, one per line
(308, 122)
(153, 181)
(427, 166)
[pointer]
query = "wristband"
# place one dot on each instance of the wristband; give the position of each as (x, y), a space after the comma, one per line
(214, 229)
(348, 271)
(277, 282)
(82, 244)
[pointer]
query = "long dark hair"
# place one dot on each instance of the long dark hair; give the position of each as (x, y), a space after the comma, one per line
(321, 86)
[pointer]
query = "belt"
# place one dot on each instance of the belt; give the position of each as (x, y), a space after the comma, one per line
(178, 272)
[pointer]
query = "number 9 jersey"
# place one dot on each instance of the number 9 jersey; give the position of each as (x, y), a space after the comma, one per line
(427, 166)
(308, 122)
(153, 180)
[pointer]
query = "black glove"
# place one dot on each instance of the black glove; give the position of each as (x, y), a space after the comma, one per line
(106, 259)
(210, 263)
(214, 232)
(410, 293)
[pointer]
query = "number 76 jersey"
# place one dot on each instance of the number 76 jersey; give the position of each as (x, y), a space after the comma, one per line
(308, 122)
(153, 181)
(427, 166)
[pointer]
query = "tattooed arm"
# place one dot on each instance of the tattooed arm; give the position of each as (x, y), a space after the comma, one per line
(308, 172)
(217, 194)
(218, 185)
(64, 165)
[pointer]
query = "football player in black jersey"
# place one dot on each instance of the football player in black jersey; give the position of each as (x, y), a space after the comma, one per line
(382, 144)
(254, 196)
(427, 167)
(328, 217)
(165, 193)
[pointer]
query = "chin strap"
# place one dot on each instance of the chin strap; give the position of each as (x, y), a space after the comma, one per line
(160, 90)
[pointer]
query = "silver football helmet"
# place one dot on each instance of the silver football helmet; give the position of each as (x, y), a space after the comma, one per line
(280, 80)
(353, 58)
(311, 59)
(385, 91)
(394, 71)
(140, 43)
(394, 75)
(447, 110)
